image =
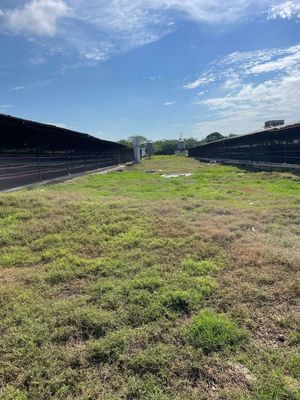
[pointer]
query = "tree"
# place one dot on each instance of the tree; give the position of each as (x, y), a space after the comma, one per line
(212, 137)
(191, 142)
(165, 147)
(129, 142)
(125, 142)
(137, 137)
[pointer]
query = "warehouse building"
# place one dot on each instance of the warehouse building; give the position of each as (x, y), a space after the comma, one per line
(275, 145)
(32, 152)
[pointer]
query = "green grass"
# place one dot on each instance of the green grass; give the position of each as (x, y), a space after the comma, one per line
(214, 332)
(202, 267)
(133, 286)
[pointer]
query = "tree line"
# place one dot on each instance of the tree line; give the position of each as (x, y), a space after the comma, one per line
(169, 146)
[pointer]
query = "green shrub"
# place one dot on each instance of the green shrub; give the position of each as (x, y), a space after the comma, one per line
(211, 332)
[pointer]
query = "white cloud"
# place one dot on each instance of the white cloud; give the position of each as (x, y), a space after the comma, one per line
(98, 29)
(98, 53)
(253, 86)
(232, 83)
(280, 64)
(232, 69)
(286, 10)
(204, 80)
(169, 103)
(275, 96)
(17, 88)
(39, 17)
(132, 15)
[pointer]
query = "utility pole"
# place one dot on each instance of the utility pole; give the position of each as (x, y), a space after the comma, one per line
(181, 144)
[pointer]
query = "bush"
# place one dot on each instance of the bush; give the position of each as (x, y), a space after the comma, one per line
(211, 331)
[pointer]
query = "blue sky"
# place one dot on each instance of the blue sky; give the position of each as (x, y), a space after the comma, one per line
(151, 67)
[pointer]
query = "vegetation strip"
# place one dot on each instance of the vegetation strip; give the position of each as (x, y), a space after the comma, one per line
(131, 286)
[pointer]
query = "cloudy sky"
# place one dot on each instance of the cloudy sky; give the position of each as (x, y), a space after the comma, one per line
(115, 68)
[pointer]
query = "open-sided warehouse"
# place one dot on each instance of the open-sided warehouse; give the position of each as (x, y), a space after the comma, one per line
(279, 145)
(31, 152)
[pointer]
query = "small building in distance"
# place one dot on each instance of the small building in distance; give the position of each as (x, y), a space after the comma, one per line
(276, 122)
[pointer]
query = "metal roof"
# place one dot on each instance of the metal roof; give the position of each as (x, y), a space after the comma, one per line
(271, 129)
(48, 129)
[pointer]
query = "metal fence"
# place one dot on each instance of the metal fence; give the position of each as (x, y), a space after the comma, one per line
(272, 146)
(31, 152)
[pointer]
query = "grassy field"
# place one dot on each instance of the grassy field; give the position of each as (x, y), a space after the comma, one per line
(134, 286)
